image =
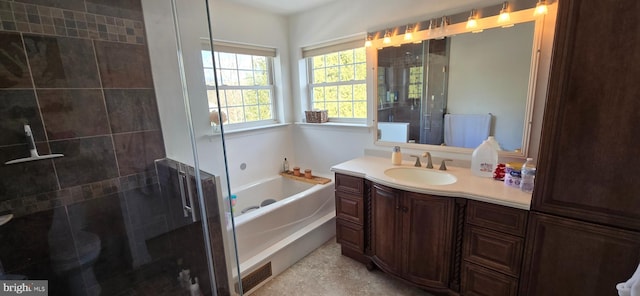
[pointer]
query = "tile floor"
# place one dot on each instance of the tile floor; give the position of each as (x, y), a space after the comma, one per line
(326, 272)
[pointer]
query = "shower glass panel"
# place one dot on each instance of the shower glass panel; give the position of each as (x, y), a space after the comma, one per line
(136, 203)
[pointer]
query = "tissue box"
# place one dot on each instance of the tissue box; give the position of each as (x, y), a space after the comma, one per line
(317, 116)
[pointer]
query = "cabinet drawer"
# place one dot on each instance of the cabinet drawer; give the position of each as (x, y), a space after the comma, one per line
(349, 184)
(349, 208)
(350, 235)
(500, 218)
(494, 250)
(479, 281)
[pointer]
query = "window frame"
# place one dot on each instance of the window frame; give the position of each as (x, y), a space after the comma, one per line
(336, 47)
(241, 49)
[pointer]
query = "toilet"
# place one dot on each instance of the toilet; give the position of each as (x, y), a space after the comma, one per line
(76, 269)
(73, 254)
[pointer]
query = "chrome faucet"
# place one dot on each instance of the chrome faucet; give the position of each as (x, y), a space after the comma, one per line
(428, 156)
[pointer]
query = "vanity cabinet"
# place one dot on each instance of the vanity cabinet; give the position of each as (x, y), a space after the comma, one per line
(412, 235)
(493, 249)
(445, 245)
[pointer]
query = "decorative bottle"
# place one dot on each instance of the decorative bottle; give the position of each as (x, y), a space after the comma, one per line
(527, 175)
(285, 166)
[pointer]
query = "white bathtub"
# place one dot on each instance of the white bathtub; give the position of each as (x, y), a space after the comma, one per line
(301, 220)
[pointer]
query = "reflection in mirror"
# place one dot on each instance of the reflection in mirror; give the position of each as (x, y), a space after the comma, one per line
(458, 90)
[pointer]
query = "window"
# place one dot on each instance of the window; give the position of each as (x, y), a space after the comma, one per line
(245, 84)
(415, 83)
(337, 83)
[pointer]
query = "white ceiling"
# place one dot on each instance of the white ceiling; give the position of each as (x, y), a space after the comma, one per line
(284, 7)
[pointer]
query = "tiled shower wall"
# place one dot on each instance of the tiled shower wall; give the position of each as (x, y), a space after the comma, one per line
(78, 72)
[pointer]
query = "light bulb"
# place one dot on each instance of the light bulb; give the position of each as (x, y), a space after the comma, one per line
(504, 16)
(408, 35)
(472, 23)
(387, 38)
(541, 8)
(368, 42)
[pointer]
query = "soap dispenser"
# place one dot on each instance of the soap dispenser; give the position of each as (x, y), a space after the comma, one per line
(396, 156)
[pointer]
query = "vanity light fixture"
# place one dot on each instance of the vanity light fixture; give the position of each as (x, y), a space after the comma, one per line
(472, 23)
(387, 37)
(541, 8)
(504, 18)
(408, 33)
(367, 43)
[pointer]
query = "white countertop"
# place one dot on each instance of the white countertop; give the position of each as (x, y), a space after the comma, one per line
(468, 185)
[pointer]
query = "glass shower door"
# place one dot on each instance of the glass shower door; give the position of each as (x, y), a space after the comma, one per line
(129, 207)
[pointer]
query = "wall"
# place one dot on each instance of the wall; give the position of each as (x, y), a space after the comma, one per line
(356, 17)
(489, 73)
(78, 72)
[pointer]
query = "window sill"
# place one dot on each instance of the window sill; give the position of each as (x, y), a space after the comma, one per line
(244, 130)
(334, 124)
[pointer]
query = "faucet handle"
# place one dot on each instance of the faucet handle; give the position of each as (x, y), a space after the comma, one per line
(417, 164)
(428, 156)
(443, 166)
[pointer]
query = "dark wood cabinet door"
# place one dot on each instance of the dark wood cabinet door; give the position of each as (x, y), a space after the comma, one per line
(386, 231)
(349, 184)
(588, 166)
(349, 207)
(568, 257)
(350, 235)
(492, 249)
(427, 238)
(480, 281)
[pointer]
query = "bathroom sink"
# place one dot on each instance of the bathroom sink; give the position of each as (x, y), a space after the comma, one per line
(421, 176)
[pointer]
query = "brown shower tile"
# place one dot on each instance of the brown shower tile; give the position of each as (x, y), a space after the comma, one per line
(18, 107)
(137, 151)
(14, 72)
(50, 30)
(22, 26)
(86, 160)
(124, 65)
(36, 28)
(44, 11)
(6, 16)
(116, 8)
(60, 62)
(66, 4)
(132, 110)
(46, 20)
(73, 113)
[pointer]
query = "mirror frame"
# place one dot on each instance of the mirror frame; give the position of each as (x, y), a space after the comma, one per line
(517, 17)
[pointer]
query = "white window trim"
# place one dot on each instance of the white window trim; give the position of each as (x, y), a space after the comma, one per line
(247, 49)
(346, 43)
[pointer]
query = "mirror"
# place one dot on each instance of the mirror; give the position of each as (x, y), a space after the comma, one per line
(456, 91)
